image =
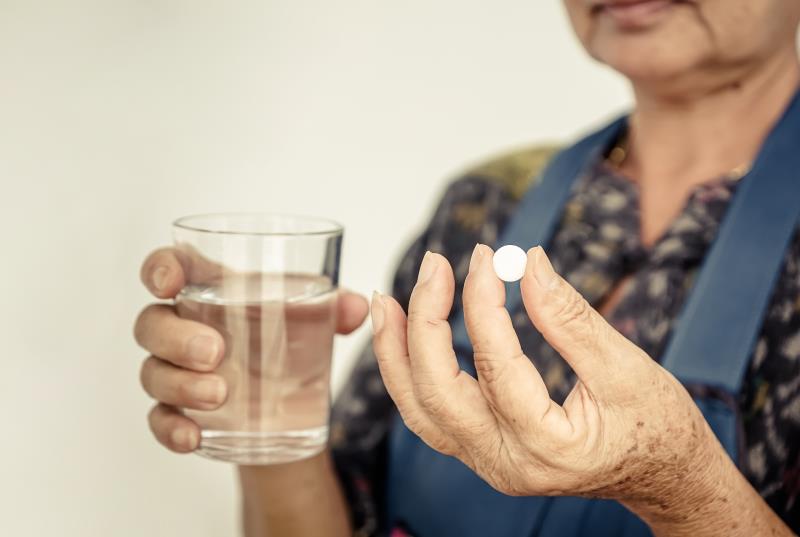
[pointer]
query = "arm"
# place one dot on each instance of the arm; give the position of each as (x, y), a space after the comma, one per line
(299, 498)
(338, 491)
(360, 420)
(714, 500)
(271, 499)
(296, 499)
(628, 431)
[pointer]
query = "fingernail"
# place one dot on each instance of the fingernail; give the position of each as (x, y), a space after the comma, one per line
(159, 278)
(203, 350)
(378, 312)
(184, 438)
(427, 269)
(209, 390)
(542, 269)
(477, 254)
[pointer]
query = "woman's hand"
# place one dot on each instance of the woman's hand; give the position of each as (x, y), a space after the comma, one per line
(628, 430)
(184, 354)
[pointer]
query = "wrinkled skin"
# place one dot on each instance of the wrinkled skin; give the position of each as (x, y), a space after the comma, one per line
(626, 429)
(693, 47)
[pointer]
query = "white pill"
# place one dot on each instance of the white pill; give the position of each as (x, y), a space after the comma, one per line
(509, 263)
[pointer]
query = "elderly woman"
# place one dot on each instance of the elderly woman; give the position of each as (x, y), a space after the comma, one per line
(580, 398)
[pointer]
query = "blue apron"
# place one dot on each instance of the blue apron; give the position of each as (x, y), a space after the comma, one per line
(432, 495)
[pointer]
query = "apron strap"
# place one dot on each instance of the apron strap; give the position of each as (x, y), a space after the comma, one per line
(538, 215)
(711, 344)
(714, 336)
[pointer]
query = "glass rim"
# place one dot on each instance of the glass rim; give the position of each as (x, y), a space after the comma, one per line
(333, 228)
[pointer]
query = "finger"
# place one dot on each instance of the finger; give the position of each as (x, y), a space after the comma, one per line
(507, 377)
(185, 343)
(598, 354)
(352, 309)
(167, 270)
(451, 397)
(180, 387)
(173, 430)
(162, 273)
(430, 341)
(582, 412)
(391, 351)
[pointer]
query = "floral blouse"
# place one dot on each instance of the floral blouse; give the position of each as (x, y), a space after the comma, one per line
(596, 246)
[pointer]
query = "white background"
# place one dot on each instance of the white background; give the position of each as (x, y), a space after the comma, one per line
(118, 116)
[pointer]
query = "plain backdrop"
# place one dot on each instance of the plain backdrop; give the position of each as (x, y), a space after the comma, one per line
(116, 116)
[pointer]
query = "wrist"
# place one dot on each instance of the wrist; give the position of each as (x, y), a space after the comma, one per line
(690, 495)
(287, 482)
(293, 499)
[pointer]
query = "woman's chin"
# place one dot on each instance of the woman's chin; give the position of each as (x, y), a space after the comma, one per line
(665, 42)
(640, 70)
(649, 64)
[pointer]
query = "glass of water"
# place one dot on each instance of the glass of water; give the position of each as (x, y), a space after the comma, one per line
(268, 284)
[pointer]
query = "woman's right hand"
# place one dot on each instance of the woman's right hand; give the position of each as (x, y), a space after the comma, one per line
(179, 373)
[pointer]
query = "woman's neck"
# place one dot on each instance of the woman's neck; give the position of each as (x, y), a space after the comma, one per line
(685, 142)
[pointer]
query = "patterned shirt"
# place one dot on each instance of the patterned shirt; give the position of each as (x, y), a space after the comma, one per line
(596, 246)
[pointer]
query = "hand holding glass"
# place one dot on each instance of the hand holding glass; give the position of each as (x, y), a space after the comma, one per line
(268, 284)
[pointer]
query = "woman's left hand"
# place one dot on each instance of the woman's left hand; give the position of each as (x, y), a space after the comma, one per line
(628, 430)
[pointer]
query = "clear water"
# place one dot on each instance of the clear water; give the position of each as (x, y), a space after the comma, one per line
(278, 332)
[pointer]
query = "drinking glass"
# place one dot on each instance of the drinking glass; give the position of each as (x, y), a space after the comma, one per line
(268, 284)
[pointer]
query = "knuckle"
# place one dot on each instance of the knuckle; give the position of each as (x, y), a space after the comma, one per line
(159, 422)
(155, 425)
(140, 325)
(164, 255)
(479, 436)
(571, 307)
(478, 328)
(183, 393)
(147, 321)
(153, 416)
(574, 313)
(149, 263)
(144, 270)
(491, 368)
(146, 375)
(162, 424)
(405, 402)
(416, 318)
(487, 367)
(421, 324)
(383, 352)
(432, 401)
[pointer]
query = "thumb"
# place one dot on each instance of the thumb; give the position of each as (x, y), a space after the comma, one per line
(599, 355)
(351, 310)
